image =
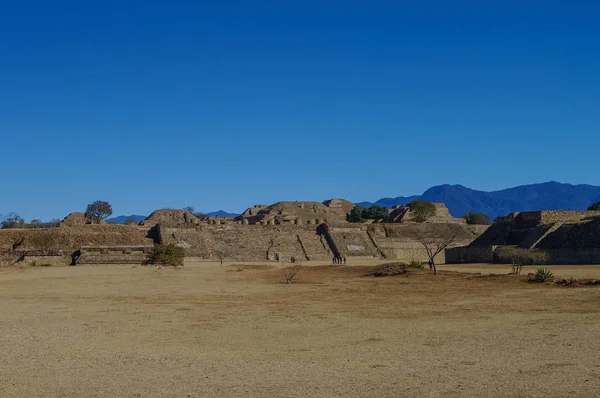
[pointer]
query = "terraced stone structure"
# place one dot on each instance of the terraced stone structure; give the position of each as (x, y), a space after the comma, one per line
(278, 232)
(302, 230)
(564, 237)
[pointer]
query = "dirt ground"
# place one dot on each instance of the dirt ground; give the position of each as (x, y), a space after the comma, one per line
(238, 331)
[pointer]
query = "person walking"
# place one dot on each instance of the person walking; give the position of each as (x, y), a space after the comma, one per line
(344, 260)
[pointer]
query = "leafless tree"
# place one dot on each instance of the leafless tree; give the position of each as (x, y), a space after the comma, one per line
(11, 220)
(435, 238)
(291, 270)
(220, 255)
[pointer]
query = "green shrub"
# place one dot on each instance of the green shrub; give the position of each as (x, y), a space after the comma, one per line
(477, 219)
(166, 254)
(594, 207)
(355, 215)
(541, 275)
(416, 264)
(375, 212)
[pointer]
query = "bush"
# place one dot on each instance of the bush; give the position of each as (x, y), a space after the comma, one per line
(416, 264)
(355, 215)
(166, 254)
(422, 210)
(477, 219)
(595, 207)
(391, 269)
(290, 271)
(360, 214)
(375, 212)
(541, 275)
(98, 211)
(518, 256)
(11, 220)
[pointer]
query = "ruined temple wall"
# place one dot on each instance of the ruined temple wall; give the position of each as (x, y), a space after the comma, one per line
(579, 235)
(397, 241)
(466, 255)
(527, 219)
(353, 241)
(553, 216)
(248, 242)
(73, 238)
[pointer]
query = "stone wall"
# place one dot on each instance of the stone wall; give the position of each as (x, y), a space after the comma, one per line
(249, 242)
(552, 216)
(397, 241)
(353, 241)
(465, 255)
(73, 238)
(112, 254)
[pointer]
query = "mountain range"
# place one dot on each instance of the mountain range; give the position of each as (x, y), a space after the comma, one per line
(545, 196)
(460, 200)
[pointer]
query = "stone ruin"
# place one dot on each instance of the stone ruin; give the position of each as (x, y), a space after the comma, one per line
(297, 213)
(303, 230)
(565, 237)
(402, 213)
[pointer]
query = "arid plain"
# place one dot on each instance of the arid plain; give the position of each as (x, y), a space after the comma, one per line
(238, 330)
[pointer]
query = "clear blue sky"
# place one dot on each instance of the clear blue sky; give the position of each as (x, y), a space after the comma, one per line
(222, 104)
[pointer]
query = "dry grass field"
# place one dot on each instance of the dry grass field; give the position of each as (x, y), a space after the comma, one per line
(238, 331)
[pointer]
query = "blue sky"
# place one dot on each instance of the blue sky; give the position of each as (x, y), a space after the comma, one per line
(221, 105)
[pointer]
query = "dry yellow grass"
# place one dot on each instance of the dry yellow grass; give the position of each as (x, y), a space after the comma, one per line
(237, 330)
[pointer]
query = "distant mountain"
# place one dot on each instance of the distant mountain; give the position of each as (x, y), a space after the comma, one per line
(122, 219)
(390, 202)
(221, 214)
(546, 196)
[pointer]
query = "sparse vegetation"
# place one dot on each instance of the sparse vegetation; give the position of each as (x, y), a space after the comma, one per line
(198, 214)
(391, 269)
(11, 220)
(516, 269)
(220, 255)
(519, 256)
(434, 240)
(541, 275)
(290, 271)
(417, 264)
(477, 219)
(98, 211)
(422, 210)
(131, 221)
(166, 254)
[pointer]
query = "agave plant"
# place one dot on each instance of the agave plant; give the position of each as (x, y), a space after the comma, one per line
(543, 274)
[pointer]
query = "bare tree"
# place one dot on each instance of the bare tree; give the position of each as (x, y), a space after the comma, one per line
(290, 271)
(220, 255)
(435, 238)
(11, 220)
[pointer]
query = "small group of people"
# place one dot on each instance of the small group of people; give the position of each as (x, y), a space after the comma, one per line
(339, 260)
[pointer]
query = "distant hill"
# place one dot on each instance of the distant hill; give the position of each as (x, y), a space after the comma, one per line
(221, 213)
(122, 219)
(546, 196)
